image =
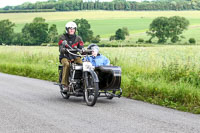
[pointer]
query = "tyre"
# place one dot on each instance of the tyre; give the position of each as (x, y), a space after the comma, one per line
(91, 91)
(63, 94)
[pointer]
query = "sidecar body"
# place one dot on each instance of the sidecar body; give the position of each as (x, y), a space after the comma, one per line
(109, 79)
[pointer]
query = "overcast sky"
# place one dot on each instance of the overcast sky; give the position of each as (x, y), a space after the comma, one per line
(4, 3)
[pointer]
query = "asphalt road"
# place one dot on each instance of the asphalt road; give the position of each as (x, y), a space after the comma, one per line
(35, 106)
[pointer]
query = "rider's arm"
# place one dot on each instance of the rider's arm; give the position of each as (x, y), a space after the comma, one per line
(61, 44)
(80, 42)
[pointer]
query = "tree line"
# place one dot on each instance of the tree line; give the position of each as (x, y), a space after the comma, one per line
(38, 32)
(74, 5)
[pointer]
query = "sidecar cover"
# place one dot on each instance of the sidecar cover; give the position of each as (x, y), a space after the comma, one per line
(109, 77)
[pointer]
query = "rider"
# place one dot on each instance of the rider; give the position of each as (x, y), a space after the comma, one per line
(97, 59)
(69, 40)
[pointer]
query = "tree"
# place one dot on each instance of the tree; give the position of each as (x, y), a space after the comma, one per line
(36, 32)
(6, 31)
(96, 39)
(176, 27)
(69, 5)
(120, 35)
(53, 34)
(38, 20)
(18, 39)
(125, 30)
(159, 28)
(192, 41)
(83, 30)
(127, 6)
(111, 6)
(112, 37)
(164, 28)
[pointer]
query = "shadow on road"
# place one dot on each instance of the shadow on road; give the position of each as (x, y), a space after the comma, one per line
(80, 100)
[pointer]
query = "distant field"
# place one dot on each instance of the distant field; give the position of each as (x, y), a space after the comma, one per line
(105, 23)
(105, 27)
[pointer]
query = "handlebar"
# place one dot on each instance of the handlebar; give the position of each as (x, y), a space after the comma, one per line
(82, 52)
(88, 51)
(72, 50)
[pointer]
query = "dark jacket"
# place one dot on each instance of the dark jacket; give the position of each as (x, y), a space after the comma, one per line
(73, 41)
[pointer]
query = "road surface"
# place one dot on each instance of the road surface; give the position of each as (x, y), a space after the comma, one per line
(35, 106)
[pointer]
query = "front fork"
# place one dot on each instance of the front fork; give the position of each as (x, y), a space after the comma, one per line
(85, 77)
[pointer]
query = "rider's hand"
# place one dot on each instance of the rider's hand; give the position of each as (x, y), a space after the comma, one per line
(63, 50)
(83, 50)
(64, 42)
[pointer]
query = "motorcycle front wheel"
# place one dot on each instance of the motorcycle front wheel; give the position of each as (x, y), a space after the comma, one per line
(91, 90)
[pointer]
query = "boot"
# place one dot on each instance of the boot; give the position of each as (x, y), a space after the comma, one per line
(65, 88)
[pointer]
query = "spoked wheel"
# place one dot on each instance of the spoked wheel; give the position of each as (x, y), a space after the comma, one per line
(110, 94)
(63, 94)
(91, 91)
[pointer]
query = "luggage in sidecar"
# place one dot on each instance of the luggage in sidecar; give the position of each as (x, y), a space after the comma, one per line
(109, 77)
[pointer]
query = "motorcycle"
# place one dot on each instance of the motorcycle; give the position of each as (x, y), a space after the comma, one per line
(89, 81)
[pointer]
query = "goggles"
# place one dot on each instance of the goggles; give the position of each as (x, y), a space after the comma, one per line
(71, 28)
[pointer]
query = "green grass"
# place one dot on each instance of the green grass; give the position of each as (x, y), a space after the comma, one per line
(105, 28)
(105, 23)
(163, 75)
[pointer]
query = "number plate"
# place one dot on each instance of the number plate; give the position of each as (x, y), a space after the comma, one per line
(87, 66)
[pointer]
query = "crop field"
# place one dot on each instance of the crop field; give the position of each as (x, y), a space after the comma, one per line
(164, 75)
(105, 23)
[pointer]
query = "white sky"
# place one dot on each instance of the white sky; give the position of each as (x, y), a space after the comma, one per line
(4, 3)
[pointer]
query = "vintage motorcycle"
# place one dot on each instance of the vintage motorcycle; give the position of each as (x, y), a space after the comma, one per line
(89, 81)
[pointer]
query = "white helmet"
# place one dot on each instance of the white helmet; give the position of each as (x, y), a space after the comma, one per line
(70, 25)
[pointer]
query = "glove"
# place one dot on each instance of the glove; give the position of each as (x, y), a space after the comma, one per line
(63, 50)
(83, 50)
(64, 42)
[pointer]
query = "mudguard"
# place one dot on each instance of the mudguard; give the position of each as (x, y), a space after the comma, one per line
(94, 75)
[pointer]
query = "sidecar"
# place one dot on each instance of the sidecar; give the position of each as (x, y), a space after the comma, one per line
(109, 81)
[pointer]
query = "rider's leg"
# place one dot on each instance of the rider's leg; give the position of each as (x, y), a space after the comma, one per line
(78, 60)
(65, 74)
